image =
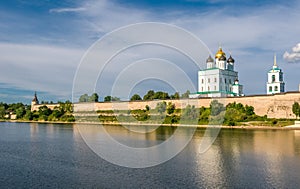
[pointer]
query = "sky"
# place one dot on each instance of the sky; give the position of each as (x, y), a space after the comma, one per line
(43, 42)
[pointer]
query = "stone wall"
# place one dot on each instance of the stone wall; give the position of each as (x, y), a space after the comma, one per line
(274, 106)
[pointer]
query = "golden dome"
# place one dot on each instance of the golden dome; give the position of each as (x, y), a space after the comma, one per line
(220, 53)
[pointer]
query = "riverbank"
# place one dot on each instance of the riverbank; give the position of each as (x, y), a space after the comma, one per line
(291, 127)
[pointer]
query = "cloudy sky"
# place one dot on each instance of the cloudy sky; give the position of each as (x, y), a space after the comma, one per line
(42, 42)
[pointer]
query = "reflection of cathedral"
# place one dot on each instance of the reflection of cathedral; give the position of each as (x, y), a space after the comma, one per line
(219, 78)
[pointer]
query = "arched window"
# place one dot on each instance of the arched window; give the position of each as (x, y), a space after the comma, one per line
(208, 80)
(273, 78)
(276, 88)
(270, 89)
(202, 81)
(208, 88)
(225, 80)
(215, 80)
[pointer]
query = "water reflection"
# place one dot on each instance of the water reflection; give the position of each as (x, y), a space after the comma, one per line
(237, 155)
(55, 155)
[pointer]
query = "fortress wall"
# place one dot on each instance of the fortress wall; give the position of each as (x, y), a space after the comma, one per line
(37, 106)
(274, 106)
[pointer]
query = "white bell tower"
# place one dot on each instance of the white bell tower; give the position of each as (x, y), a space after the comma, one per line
(275, 82)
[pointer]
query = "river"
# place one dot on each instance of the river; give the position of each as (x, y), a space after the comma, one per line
(56, 156)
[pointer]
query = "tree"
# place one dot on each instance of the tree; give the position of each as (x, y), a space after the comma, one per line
(161, 95)
(107, 99)
(249, 110)
(84, 98)
(149, 95)
(135, 97)
(94, 97)
(175, 96)
(186, 94)
(110, 99)
(161, 107)
(170, 108)
(147, 107)
(114, 98)
(190, 112)
(20, 112)
(296, 109)
(216, 108)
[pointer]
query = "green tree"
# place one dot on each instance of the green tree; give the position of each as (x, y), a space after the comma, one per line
(84, 98)
(28, 115)
(161, 95)
(135, 97)
(147, 107)
(249, 110)
(20, 112)
(175, 96)
(110, 99)
(216, 108)
(190, 112)
(149, 95)
(296, 109)
(186, 94)
(94, 98)
(3, 108)
(107, 99)
(161, 107)
(170, 108)
(114, 98)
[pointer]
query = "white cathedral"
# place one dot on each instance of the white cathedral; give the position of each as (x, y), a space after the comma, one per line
(219, 78)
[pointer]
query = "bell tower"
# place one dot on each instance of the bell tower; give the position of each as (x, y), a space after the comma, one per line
(34, 101)
(275, 82)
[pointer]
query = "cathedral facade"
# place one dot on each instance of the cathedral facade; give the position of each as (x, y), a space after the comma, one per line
(219, 79)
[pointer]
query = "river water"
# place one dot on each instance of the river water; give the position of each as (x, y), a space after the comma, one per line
(56, 156)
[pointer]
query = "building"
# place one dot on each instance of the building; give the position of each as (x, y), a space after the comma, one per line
(219, 79)
(275, 82)
(34, 101)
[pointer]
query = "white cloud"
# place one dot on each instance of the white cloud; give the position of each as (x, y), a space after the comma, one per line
(294, 56)
(52, 68)
(39, 67)
(62, 10)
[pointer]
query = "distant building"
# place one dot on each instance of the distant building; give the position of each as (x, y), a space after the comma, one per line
(34, 101)
(219, 78)
(275, 82)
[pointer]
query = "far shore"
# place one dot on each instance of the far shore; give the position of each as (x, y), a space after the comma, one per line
(291, 127)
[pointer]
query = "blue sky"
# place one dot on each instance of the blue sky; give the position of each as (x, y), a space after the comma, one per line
(43, 41)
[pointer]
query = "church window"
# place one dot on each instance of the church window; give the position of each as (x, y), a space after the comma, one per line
(270, 89)
(208, 80)
(202, 81)
(215, 80)
(276, 88)
(225, 80)
(273, 78)
(208, 88)
(229, 81)
(215, 88)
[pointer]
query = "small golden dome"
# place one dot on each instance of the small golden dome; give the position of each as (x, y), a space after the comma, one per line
(220, 53)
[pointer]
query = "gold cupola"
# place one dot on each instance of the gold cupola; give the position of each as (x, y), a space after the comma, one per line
(220, 53)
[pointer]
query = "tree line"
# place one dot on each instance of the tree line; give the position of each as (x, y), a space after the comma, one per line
(62, 112)
(150, 95)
